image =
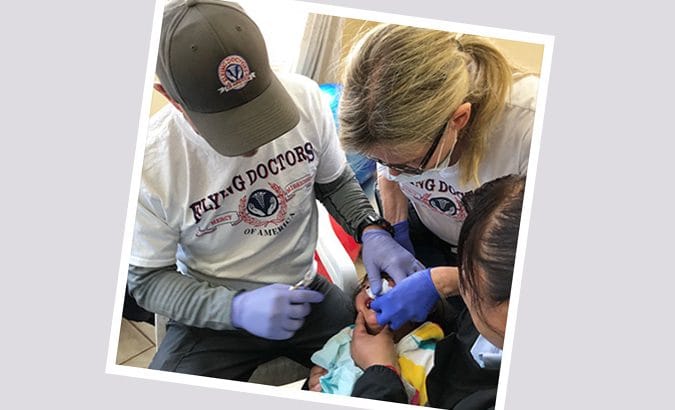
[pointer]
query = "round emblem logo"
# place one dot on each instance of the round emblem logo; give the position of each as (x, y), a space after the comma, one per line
(234, 73)
(262, 203)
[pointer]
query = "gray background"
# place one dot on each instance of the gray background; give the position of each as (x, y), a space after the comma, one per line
(594, 327)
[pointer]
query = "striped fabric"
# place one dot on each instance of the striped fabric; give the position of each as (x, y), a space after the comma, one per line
(416, 358)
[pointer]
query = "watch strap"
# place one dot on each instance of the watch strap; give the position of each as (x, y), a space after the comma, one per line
(373, 219)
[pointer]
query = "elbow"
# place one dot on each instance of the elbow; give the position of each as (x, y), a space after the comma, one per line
(139, 280)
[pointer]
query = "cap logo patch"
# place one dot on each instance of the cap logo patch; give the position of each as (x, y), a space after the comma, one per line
(234, 73)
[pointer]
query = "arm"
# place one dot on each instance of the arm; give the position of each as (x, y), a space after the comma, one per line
(394, 207)
(184, 299)
(380, 383)
(394, 202)
(376, 354)
(446, 280)
(345, 201)
(153, 279)
(273, 311)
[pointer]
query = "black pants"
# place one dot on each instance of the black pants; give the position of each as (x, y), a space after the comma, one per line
(235, 354)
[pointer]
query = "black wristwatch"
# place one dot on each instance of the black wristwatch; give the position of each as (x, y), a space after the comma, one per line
(373, 219)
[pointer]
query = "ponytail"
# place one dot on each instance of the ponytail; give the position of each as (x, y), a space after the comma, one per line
(491, 78)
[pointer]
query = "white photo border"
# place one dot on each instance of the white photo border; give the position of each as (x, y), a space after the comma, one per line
(546, 41)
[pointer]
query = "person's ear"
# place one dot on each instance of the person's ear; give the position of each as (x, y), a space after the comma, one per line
(160, 89)
(461, 116)
(502, 313)
(503, 310)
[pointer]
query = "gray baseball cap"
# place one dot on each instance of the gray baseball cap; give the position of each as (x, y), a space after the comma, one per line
(213, 61)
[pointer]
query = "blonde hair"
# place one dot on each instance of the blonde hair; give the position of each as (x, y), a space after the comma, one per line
(402, 84)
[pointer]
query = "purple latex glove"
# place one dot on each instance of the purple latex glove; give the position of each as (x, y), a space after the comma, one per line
(381, 253)
(274, 311)
(402, 236)
(410, 300)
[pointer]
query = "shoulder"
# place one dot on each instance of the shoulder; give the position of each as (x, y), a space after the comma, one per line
(164, 125)
(305, 92)
(160, 128)
(160, 119)
(168, 129)
(168, 142)
(316, 118)
(518, 116)
(297, 83)
(524, 93)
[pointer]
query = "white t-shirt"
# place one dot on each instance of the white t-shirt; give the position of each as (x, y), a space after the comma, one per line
(222, 218)
(436, 194)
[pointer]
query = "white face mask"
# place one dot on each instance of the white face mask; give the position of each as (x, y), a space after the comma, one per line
(403, 178)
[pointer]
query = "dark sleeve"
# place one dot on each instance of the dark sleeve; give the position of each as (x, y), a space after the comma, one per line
(380, 383)
(345, 201)
(181, 298)
(480, 400)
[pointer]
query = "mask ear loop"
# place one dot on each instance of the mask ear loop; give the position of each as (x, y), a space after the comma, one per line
(438, 160)
(454, 144)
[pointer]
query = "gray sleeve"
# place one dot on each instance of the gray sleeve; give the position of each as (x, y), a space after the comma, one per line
(169, 293)
(345, 201)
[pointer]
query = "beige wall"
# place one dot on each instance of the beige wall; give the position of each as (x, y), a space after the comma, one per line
(158, 101)
(353, 30)
(526, 55)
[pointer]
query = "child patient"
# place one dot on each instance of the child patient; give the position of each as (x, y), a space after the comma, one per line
(336, 373)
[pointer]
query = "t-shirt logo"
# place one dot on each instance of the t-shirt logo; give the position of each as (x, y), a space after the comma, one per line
(444, 205)
(262, 203)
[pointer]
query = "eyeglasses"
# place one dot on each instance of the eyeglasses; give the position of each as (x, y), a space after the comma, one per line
(406, 169)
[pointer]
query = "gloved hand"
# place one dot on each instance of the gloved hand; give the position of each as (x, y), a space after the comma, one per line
(410, 300)
(274, 311)
(402, 236)
(381, 253)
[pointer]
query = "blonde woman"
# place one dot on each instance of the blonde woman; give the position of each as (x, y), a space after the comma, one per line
(442, 113)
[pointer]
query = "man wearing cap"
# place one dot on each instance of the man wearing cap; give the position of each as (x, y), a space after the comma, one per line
(226, 219)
